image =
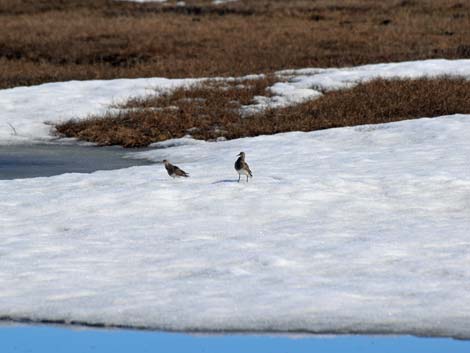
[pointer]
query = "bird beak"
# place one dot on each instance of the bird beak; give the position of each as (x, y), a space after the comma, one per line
(238, 155)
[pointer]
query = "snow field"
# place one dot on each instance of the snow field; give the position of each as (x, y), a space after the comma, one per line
(359, 229)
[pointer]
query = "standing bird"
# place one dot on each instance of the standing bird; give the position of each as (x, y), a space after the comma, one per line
(174, 171)
(242, 167)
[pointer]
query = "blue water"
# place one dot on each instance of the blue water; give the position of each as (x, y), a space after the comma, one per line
(45, 339)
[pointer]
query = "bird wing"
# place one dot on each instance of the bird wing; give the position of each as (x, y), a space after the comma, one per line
(169, 168)
(180, 172)
(247, 168)
(238, 164)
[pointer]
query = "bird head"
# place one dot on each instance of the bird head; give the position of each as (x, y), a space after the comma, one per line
(241, 154)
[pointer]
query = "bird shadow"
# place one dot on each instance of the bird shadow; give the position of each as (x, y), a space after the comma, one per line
(226, 181)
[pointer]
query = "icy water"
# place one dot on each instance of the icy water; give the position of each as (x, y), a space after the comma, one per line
(44, 339)
(28, 161)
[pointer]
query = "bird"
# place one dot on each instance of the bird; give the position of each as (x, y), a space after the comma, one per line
(174, 171)
(242, 167)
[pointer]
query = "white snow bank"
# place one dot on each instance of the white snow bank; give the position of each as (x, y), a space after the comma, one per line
(332, 79)
(362, 229)
(24, 111)
(218, 2)
(309, 83)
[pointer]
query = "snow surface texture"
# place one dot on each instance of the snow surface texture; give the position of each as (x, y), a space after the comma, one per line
(360, 229)
(24, 110)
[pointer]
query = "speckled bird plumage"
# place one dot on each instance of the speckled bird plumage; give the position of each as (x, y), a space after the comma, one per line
(242, 167)
(174, 171)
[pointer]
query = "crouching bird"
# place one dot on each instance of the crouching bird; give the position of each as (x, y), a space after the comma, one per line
(174, 171)
(242, 167)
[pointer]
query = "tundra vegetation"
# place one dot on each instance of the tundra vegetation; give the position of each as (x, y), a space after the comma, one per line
(57, 40)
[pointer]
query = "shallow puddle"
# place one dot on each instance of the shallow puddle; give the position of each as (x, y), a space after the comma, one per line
(29, 161)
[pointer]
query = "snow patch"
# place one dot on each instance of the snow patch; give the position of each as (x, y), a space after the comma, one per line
(218, 2)
(33, 110)
(306, 84)
(362, 229)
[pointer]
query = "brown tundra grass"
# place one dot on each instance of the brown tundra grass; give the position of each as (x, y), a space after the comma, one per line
(212, 110)
(57, 40)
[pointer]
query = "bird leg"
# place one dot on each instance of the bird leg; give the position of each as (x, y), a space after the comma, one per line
(239, 177)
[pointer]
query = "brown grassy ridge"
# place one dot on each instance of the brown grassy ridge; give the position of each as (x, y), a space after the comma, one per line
(203, 110)
(211, 110)
(57, 40)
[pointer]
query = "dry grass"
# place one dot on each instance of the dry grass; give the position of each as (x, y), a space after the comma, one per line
(55, 40)
(205, 111)
(212, 110)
